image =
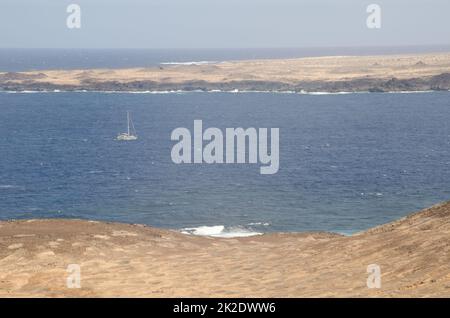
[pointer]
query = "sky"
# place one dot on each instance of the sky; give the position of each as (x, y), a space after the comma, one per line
(222, 23)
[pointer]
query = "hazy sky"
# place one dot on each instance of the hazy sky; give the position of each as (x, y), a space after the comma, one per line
(221, 23)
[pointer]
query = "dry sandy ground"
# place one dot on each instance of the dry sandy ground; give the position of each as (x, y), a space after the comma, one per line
(336, 68)
(134, 260)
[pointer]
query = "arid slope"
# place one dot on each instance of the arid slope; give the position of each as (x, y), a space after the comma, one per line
(134, 260)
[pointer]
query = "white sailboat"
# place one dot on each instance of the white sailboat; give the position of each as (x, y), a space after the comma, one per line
(131, 131)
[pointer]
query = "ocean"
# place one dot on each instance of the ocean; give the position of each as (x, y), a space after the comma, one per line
(348, 162)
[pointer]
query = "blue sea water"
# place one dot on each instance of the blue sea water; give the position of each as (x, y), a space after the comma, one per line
(347, 162)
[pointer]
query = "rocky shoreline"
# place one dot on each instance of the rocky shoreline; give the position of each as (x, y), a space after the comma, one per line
(388, 73)
(439, 82)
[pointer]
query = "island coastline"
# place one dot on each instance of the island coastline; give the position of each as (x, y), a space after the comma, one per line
(334, 74)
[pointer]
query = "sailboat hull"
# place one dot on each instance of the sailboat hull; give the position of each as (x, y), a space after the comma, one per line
(126, 137)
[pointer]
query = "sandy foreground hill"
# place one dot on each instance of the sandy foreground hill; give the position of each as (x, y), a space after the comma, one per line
(406, 72)
(134, 260)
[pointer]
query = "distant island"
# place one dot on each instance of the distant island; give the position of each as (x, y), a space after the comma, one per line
(384, 73)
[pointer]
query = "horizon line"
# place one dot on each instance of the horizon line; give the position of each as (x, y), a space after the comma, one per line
(231, 48)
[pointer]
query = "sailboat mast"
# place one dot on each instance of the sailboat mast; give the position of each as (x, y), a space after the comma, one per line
(128, 122)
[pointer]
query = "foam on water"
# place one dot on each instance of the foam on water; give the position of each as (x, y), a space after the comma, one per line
(9, 186)
(190, 63)
(234, 91)
(328, 93)
(220, 231)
